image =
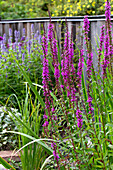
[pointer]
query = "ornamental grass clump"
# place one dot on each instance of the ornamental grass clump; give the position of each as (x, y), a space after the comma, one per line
(78, 109)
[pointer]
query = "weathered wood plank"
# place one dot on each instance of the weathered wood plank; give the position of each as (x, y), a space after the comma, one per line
(69, 24)
(58, 32)
(93, 32)
(1, 29)
(20, 28)
(78, 35)
(28, 30)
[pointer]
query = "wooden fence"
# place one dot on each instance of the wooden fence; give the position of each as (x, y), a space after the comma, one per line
(75, 26)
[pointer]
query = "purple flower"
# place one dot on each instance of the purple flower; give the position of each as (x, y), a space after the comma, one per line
(56, 157)
(45, 116)
(79, 118)
(23, 34)
(73, 96)
(100, 46)
(22, 38)
(86, 30)
(20, 44)
(53, 145)
(9, 63)
(8, 46)
(106, 55)
(89, 64)
(86, 24)
(39, 39)
(90, 104)
(1, 38)
(10, 32)
(29, 46)
(107, 10)
(16, 35)
(57, 72)
(50, 32)
(4, 38)
(46, 124)
(80, 68)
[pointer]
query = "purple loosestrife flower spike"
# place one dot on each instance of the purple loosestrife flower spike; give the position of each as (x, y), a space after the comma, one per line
(86, 30)
(50, 32)
(86, 24)
(107, 10)
(79, 118)
(109, 30)
(45, 116)
(100, 46)
(80, 68)
(46, 123)
(89, 64)
(53, 46)
(56, 156)
(106, 55)
(89, 72)
(45, 75)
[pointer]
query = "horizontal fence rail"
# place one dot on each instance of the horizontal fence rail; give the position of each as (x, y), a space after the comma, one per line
(75, 27)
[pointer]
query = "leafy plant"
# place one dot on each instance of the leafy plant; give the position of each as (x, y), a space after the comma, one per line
(7, 141)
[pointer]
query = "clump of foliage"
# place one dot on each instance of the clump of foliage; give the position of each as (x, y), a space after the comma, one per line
(7, 141)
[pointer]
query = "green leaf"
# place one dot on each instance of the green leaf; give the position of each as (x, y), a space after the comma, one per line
(110, 99)
(54, 97)
(91, 160)
(97, 166)
(45, 162)
(84, 87)
(6, 164)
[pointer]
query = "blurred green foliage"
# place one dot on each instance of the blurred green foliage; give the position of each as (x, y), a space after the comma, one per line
(39, 8)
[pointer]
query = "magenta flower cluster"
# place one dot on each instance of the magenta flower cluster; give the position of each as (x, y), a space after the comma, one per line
(106, 55)
(80, 68)
(89, 64)
(56, 156)
(79, 118)
(100, 45)
(107, 10)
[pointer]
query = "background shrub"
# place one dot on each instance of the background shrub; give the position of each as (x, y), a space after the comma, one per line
(34, 8)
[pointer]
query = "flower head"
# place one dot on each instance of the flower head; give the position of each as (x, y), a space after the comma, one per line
(1, 38)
